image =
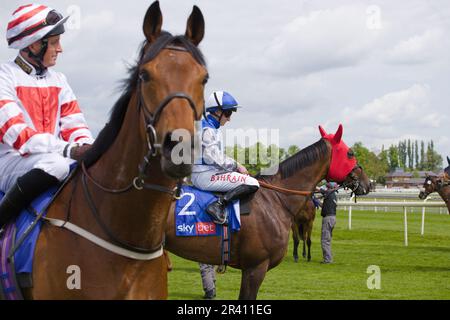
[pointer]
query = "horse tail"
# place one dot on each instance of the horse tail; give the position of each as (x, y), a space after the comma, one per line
(301, 229)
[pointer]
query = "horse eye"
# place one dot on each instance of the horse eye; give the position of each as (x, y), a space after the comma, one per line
(205, 80)
(144, 76)
(350, 154)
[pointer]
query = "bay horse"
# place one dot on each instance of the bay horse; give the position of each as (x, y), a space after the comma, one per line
(262, 242)
(436, 184)
(447, 171)
(302, 229)
(123, 192)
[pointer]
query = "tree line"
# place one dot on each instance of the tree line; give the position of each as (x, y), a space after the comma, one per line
(410, 155)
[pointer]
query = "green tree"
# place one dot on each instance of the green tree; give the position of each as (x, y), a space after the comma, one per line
(422, 155)
(433, 159)
(410, 155)
(416, 154)
(372, 164)
(393, 158)
(293, 149)
(383, 157)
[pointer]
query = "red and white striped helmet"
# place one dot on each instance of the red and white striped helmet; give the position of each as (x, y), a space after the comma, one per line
(30, 23)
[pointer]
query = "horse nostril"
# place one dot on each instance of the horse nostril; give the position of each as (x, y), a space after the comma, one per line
(168, 145)
(178, 147)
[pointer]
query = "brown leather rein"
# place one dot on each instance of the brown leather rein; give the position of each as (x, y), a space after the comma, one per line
(284, 190)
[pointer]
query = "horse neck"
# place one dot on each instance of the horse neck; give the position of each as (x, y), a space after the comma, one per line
(136, 216)
(304, 179)
(444, 192)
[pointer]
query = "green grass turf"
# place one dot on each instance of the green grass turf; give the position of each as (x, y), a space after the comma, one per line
(419, 271)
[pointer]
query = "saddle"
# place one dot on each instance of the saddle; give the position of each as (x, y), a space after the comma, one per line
(244, 203)
(18, 242)
(191, 218)
(17, 246)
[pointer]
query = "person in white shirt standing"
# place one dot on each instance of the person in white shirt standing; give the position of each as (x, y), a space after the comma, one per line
(42, 129)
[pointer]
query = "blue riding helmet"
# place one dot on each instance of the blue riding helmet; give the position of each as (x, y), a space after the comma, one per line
(221, 100)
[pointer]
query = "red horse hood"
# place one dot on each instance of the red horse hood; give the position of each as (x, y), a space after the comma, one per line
(341, 165)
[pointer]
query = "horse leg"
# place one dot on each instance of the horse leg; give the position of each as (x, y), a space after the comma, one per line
(296, 241)
(308, 238)
(309, 248)
(251, 281)
(301, 230)
(304, 249)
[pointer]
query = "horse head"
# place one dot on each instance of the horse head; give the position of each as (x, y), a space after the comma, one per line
(344, 168)
(172, 76)
(430, 185)
(447, 170)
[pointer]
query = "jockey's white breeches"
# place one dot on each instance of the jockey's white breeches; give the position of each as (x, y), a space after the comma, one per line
(13, 166)
(220, 181)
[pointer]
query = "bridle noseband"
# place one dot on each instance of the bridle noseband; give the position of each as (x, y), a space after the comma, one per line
(438, 185)
(150, 121)
(354, 184)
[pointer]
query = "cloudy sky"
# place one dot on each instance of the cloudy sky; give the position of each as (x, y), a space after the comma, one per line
(381, 68)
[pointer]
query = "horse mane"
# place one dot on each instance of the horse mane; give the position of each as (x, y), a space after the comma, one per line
(111, 130)
(303, 158)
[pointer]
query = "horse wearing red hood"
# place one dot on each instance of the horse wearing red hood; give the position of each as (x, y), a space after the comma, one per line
(341, 164)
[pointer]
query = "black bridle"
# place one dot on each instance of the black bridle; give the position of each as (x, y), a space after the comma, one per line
(354, 183)
(150, 120)
(437, 187)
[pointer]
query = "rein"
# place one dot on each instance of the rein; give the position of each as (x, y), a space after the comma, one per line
(353, 185)
(284, 190)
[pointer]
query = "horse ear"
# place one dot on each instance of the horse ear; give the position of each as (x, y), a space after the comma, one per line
(338, 135)
(152, 22)
(195, 29)
(448, 160)
(323, 133)
(426, 175)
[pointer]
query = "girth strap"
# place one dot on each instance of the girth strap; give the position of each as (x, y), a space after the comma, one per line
(104, 244)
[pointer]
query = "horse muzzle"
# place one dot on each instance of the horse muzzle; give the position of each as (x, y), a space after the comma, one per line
(422, 195)
(177, 154)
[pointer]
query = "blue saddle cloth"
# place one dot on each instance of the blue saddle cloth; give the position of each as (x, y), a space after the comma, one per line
(23, 257)
(191, 218)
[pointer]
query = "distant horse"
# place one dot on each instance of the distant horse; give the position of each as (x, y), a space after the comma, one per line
(447, 171)
(262, 242)
(436, 184)
(123, 193)
(302, 228)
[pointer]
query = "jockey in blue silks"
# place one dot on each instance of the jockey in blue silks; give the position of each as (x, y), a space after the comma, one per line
(216, 171)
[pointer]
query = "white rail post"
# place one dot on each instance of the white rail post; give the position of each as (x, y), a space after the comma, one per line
(422, 230)
(350, 218)
(406, 225)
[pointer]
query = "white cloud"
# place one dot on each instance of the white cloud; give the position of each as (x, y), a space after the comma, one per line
(395, 108)
(323, 39)
(417, 49)
(395, 116)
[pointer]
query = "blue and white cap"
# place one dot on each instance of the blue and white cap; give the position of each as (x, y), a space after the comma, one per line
(221, 100)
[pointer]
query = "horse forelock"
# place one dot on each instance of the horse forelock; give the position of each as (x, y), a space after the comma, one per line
(150, 51)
